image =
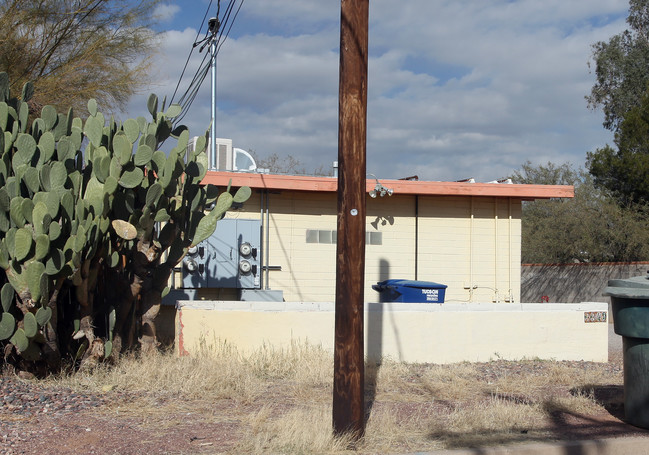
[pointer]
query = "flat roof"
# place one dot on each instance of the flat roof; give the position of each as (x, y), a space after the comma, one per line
(278, 182)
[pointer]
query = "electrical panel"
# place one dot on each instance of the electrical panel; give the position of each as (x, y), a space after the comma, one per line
(230, 258)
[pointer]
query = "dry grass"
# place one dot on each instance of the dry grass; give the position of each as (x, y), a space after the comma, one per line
(279, 401)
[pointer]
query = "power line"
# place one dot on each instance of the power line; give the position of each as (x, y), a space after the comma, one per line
(216, 35)
(227, 20)
(196, 42)
(190, 94)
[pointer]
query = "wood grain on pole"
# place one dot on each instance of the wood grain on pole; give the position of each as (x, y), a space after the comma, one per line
(348, 391)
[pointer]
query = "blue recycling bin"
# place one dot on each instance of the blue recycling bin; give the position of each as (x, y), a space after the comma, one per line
(410, 291)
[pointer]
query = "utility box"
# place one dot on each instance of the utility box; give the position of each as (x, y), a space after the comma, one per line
(229, 258)
(410, 291)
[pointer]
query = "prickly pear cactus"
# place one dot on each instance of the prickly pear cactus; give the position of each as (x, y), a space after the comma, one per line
(35, 185)
(161, 208)
(71, 217)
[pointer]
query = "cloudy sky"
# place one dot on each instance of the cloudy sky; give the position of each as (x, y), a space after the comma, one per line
(457, 88)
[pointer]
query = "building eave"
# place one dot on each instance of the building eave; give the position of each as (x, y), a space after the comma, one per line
(277, 182)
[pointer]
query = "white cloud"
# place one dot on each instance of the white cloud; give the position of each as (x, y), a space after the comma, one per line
(166, 12)
(457, 88)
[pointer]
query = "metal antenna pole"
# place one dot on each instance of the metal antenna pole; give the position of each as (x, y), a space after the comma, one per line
(214, 28)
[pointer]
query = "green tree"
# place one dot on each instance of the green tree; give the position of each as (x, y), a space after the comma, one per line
(624, 170)
(74, 50)
(591, 227)
(621, 67)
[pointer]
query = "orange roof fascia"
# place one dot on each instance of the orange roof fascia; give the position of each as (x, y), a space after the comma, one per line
(277, 182)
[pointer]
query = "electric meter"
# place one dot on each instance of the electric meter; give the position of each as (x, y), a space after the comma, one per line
(245, 249)
(245, 266)
(191, 265)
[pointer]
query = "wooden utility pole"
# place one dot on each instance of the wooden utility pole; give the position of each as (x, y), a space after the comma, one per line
(349, 368)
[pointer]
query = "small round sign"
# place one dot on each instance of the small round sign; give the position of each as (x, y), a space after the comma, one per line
(354, 212)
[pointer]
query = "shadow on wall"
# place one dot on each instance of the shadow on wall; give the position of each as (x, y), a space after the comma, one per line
(382, 221)
(374, 348)
(574, 283)
(378, 314)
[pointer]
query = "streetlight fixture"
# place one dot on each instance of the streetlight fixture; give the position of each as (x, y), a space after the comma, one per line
(379, 189)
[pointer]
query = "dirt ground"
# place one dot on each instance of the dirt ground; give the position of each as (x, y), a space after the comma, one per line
(36, 420)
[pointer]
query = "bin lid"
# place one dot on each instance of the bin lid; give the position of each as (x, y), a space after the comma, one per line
(636, 287)
(412, 284)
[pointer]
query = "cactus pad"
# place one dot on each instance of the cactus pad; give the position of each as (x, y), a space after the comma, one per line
(131, 178)
(25, 149)
(33, 272)
(143, 155)
(67, 204)
(30, 326)
(153, 195)
(27, 207)
(23, 242)
(159, 159)
(114, 259)
(205, 228)
(55, 231)
(5, 200)
(124, 229)
(40, 215)
(20, 340)
(162, 216)
(49, 116)
(42, 246)
(123, 148)
(92, 106)
(16, 212)
(55, 262)
(47, 146)
(58, 175)
(101, 168)
(152, 104)
(131, 129)
(7, 296)
(5, 224)
(7, 326)
(4, 254)
(94, 129)
(108, 349)
(32, 180)
(43, 316)
(28, 91)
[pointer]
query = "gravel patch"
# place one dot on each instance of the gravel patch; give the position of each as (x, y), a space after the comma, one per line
(28, 399)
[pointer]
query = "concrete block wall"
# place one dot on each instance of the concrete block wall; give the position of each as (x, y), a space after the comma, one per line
(570, 283)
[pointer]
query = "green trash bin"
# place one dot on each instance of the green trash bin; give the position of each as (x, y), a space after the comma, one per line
(630, 308)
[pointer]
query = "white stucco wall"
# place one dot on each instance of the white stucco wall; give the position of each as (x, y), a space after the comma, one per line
(427, 333)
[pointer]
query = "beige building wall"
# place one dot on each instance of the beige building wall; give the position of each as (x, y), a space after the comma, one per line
(470, 244)
(473, 245)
